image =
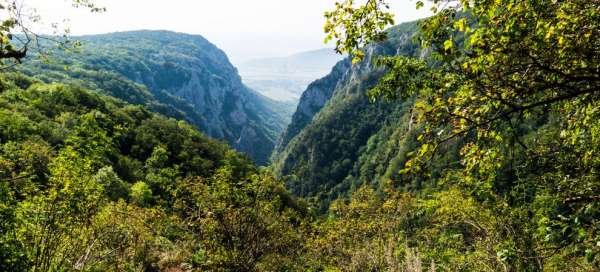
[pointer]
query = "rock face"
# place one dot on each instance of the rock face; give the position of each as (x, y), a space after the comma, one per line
(321, 152)
(191, 75)
(343, 80)
(311, 102)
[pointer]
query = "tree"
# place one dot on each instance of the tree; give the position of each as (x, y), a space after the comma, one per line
(516, 83)
(114, 187)
(141, 194)
(17, 36)
(248, 224)
(55, 225)
(354, 27)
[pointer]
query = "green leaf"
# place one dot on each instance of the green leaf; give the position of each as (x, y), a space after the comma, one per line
(420, 4)
(448, 44)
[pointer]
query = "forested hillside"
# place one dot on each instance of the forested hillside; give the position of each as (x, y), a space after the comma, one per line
(466, 141)
(336, 127)
(182, 76)
(90, 183)
(475, 153)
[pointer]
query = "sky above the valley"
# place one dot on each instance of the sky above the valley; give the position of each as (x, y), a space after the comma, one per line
(244, 29)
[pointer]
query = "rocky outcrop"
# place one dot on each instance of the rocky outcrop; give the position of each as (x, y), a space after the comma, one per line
(191, 69)
(334, 121)
(312, 100)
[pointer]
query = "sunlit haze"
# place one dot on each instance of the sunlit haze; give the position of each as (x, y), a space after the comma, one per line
(244, 29)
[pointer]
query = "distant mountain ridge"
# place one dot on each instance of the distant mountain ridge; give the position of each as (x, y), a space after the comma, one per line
(285, 78)
(180, 75)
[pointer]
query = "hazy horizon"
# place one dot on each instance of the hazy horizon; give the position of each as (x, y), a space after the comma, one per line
(244, 29)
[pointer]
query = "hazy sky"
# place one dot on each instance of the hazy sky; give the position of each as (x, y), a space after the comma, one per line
(244, 29)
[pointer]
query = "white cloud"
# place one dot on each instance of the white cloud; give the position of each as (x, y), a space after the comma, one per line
(243, 28)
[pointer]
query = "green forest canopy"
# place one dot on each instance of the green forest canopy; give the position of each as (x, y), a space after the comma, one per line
(517, 84)
(90, 183)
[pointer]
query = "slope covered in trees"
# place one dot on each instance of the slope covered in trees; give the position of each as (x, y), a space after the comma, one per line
(179, 75)
(89, 183)
(321, 149)
(484, 158)
(473, 149)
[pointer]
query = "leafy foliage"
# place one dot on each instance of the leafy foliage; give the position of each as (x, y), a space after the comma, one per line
(512, 87)
(89, 183)
(482, 157)
(353, 27)
(17, 37)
